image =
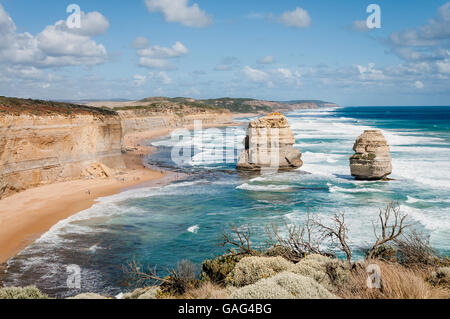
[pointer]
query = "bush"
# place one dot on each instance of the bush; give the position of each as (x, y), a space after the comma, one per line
(181, 279)
(384, 252)
(414, 250)
(440, 277)
(314, 268)
(29, 292)
(251, 269)
(285, 285)
(326, 271)
(217, 270)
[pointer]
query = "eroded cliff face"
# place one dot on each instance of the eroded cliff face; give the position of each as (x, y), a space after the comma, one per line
(36, 150)
(41, 149)
(145, 120)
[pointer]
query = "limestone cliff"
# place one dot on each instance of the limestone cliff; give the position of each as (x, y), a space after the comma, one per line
(44, 142)
(372, 158)
(268, 144)
(143, 120)
(36, 150)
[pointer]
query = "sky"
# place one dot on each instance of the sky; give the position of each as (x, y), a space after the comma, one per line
(264, 49)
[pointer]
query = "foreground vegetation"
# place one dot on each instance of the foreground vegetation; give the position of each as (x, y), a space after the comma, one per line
(300, 263)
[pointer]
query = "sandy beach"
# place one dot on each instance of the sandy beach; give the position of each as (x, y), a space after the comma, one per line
(25, 216)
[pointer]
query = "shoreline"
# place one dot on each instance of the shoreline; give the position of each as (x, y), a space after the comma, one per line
(31, 213)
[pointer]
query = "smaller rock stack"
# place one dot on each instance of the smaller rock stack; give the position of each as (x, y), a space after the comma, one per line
(268, 144)
(372, 158)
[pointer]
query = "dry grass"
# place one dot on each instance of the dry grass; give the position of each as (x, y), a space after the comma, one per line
(207, 290)
(397, 282)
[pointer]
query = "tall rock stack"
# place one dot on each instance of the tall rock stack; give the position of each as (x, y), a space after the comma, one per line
(372, 158)
(268, 144)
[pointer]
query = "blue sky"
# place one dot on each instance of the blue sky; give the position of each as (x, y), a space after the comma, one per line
(276, 50)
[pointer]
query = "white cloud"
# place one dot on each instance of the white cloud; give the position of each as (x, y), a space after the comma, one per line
(56, 45)
(156, 63)
(299, 18)
(180, 11)
(429, 41)
(255, 75)
(418, 85)
(267, 60)
(369, 73)
(55, 41)
(156, 57)
(177, 50)
(92, 24)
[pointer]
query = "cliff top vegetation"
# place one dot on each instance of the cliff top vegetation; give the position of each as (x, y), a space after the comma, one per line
(17, 106)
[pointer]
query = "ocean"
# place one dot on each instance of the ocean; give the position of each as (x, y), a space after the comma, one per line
(184, 220)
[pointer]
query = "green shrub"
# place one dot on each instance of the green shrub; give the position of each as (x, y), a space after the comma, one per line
(251, 269)
(216, 270)
(29, 292)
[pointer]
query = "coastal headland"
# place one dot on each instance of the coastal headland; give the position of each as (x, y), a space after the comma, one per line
(56, 158)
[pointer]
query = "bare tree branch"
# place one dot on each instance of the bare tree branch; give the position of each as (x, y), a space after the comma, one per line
(389, 232)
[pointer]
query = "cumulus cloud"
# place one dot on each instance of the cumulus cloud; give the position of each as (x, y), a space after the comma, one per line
(267, 60)
(180, 11)
(299, 18)
(57, 45)
(432, 33)
(285, 77)
(427, 42)
(177, 50)
(157, 57)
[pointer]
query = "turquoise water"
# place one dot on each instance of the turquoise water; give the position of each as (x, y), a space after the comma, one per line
(183, 220)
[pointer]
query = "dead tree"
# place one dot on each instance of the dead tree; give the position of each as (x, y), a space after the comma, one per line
(300, 240)
(142, 275)
(389, 232)
(239, 240)
(337, 231)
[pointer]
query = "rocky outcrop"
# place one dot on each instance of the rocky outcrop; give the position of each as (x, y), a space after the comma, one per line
(372, 158)
(268, 144)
